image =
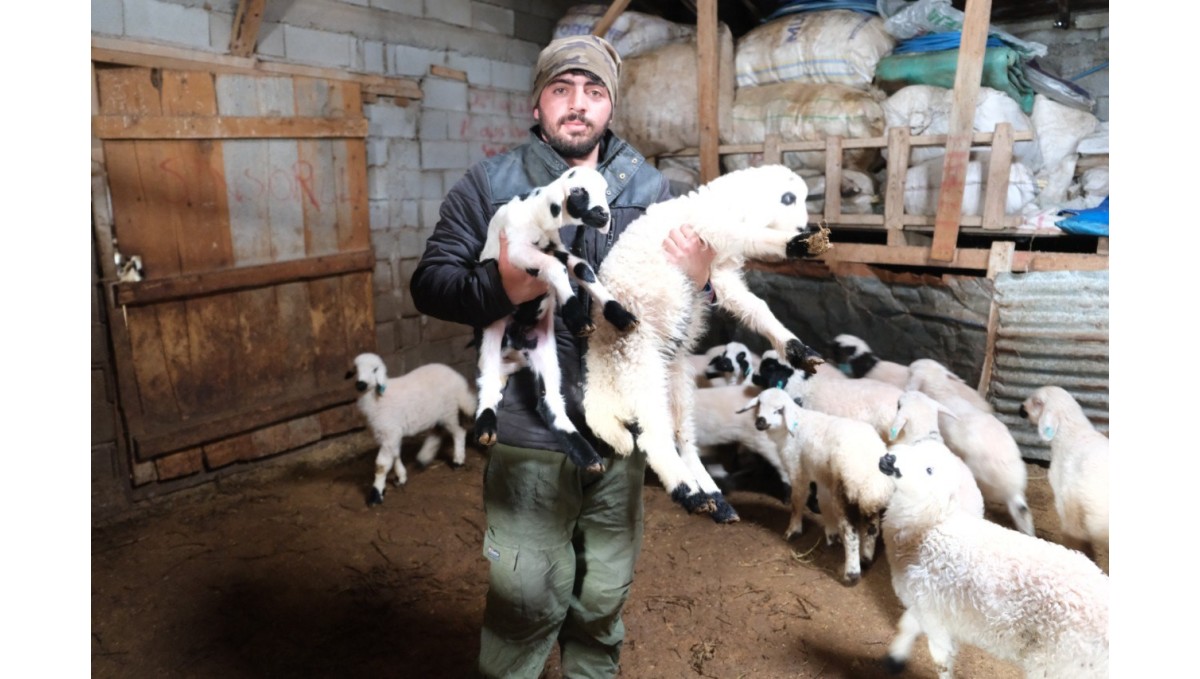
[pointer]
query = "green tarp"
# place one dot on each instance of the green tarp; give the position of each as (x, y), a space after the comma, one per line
(1002, 70)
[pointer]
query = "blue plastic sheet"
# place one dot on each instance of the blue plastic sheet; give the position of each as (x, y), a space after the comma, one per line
(796, 6)
(1089, 222)
(936, 42)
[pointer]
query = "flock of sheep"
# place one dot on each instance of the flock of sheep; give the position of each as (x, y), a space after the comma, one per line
(869, 448)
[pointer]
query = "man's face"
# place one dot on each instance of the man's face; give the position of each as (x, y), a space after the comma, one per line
(574, 111)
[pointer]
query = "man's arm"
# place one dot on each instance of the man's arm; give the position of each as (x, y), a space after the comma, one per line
(449, 282)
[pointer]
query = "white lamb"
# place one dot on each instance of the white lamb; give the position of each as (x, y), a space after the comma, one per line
(531, 224)
(962, 579)
(728, 364)
(915, 431)
(954, 384)
(854, 358)
(639, 388)
(720, 421)
(426, 397)
(829, 391)
(842, 456)
(1078, 466)
(980, 439)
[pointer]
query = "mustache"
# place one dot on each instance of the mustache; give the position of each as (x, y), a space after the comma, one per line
(572, 117)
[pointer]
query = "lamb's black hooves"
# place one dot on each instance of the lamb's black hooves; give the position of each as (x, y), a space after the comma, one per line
(456, 465)
(803, 357)
(813, 505)
(376, 497)
(597, 468)
(724, 512)
(619, 316)
(485, 427)
(809, 244)
(576, 319)
(894, 665)
(693, 502)
(581, 453)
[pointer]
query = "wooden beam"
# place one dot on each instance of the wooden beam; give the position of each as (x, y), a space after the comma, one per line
(154, 290)
(610, 16)
(964, 258)
(110, 127)
(134, 53)
(995, 197)
(856, 143)
(898, 142)
(962, 120)
(833, 178)
(1000, 258)
(247, 19)
(708, 43)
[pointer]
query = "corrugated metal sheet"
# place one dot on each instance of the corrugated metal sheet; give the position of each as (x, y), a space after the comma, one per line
(1053, 329)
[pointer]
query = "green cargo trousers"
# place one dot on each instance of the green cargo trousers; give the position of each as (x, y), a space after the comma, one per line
(562, 549)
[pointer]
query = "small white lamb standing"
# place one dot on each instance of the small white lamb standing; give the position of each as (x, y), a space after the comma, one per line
(531, 225)
(1078, 466)
(980, 439)
(916, 431)
(963, 579)
(426, 397)
(842, 456)
(640, 389)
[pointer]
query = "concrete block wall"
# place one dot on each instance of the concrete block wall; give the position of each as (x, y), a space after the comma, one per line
(1073, 51)
(415, 152)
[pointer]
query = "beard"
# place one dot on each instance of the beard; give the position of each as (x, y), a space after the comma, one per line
(573, 146)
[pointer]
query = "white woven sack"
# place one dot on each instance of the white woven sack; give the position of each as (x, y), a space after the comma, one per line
(632, 33)
(833, 46)
(804, 112)
(1060, 129)
(925, 110)
(923, 186)
(659, 107)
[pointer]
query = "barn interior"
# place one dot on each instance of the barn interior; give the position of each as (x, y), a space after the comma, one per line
(265, 175)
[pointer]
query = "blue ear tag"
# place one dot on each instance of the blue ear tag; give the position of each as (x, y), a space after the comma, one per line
(792, 427)
(892, 433)
(1048, 432)
(379, 388)
(845, 368)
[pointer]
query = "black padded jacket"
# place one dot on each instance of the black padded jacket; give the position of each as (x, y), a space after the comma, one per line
(451, 283)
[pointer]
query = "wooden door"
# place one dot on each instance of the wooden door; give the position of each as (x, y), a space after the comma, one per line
(246, 199)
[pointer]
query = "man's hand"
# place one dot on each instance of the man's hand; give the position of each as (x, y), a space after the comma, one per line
(518, 284)
(690, 253)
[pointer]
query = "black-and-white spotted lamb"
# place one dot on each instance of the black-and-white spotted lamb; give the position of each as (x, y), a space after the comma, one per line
(531, 225)
(640, 390)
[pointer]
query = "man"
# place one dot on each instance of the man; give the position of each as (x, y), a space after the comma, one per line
(562, 544)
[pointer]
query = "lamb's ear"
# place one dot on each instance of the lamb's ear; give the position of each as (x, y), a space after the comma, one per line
(943, 409)
(1047, 425)
(380, 380)
(749, 406)
(897, 426)
(349, 374)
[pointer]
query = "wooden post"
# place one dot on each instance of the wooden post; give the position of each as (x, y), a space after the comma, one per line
(1000, 260)
(897, 172)
(962, 119)
(708, 44)
(771, 153)
(606, 21)
(833, 179)
(996, 197)
(243, 38)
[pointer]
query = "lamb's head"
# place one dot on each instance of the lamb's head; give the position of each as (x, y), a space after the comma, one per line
(369, 372)
(917, 416)
(928, 372)
(733, 360)
(773, 409)
(583, 191)
(1046, 407)
(772, 373)
(850, 352)
(772, 218)
(926, 484)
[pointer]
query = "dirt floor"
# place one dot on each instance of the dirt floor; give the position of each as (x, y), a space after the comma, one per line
(295, 576)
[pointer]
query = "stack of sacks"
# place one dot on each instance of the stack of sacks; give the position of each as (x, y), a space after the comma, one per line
(805, 77)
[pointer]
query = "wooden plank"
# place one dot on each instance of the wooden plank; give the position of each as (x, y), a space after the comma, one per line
(897, 171)
(328, 331)
(962, 119)
(156, 394)
(1102, 245)
(350, 156)
(708, 44)
(1059, 261)
(247, 171)
(995, 197)
(316, 172)
(358, 311)
(240, 278)
(833, 177)
(610, 16)
(179, 465)
(134, 53)
(851, 143)
(295, 324)
(257, 414)
(771, 155)
(907, 255)
(190, 127)
(184, 375)
(1000, 258)
(447, 72)
(247, 19)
